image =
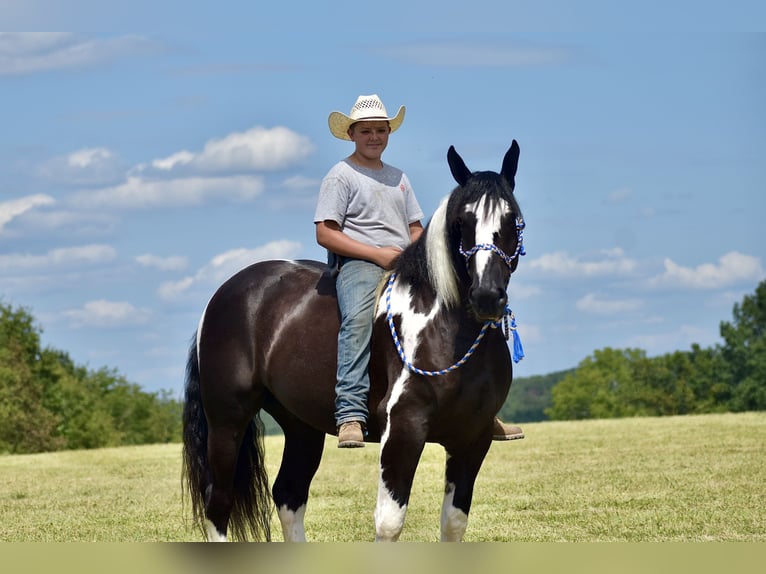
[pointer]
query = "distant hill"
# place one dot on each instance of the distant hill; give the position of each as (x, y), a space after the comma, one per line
(529, 397)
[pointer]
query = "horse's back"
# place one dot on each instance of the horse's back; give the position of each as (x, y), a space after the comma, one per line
(271, 329)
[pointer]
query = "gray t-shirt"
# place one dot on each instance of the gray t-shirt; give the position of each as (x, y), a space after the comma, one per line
(373, 206)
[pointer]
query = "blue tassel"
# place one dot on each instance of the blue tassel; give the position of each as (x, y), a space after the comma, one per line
(518, 350)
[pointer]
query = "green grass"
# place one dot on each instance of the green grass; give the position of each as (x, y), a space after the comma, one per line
(692, 478)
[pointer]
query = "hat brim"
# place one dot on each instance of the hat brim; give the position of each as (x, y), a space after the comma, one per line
(340, 122)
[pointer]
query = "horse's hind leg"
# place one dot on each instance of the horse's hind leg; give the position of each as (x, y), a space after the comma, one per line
(461, 471)
(223, 450)
(300, 460)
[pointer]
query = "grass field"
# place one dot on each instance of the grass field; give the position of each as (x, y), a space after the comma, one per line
(692, 478)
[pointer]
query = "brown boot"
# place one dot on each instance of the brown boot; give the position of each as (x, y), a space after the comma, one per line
(350, 435)
(503, 431)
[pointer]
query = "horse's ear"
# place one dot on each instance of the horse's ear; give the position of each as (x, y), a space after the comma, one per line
(510, 163)
(457, 166)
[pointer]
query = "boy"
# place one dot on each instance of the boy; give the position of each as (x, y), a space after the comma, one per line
(367, 213)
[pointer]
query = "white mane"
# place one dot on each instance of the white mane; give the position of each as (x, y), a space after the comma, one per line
(438, 257)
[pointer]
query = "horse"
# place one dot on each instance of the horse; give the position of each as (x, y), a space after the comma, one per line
(267, 340)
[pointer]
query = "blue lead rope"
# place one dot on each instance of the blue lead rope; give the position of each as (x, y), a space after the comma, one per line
(518, 350)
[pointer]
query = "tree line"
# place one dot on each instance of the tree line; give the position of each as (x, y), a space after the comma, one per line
(612, 383)
(48, 403)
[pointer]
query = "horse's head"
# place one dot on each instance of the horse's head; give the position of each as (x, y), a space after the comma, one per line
(485, 228)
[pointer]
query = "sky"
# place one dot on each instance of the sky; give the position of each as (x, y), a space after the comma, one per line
(151, 150)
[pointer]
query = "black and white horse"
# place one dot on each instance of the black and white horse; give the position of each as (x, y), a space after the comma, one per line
(439, 370)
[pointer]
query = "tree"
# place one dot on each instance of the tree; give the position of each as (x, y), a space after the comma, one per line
(622, 383)
(25, 424)
(710, 380)
(47, 402)
(599, 387)
(745, 351)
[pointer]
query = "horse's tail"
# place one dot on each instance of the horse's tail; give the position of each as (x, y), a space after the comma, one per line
(196, 473)
(252, 507)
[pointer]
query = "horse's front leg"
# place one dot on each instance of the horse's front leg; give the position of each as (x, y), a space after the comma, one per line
(460, 475)
(400, 448)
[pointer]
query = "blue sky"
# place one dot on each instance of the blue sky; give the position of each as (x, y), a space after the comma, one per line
(145, 162)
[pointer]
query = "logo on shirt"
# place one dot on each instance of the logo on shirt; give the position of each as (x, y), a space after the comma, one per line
(401, 186)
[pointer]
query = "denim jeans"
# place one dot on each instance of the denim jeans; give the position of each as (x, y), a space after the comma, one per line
(356, 285)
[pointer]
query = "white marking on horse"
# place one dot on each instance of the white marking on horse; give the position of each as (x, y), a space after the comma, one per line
(212, 532)
(292, 523)
(454, 521)
(199, 330)
(489, 218)
(389, 514)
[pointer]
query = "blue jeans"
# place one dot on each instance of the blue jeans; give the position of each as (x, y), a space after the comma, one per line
(356, 285)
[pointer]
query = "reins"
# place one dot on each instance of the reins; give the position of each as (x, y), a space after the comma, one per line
(508, 325)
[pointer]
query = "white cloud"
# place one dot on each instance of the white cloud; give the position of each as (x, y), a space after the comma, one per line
(169, 290)
(179, 158)
(31, 52)
(176, 263)
(255, 149)
(62, 257)
(592, 303)
(226, 264)
(521, 290)
(11, 209)
(139, 193)
(732, 268)
(88, 166)
(89, 156)
(103, 313)
(608, 262)
(183, 178)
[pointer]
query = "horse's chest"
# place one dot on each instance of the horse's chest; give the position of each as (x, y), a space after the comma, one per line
(439, 363)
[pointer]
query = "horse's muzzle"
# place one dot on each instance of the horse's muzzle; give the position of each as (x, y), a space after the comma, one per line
(488, 304)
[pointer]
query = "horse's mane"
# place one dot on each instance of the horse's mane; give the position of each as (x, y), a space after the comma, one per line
(428, 261)
(441, 268)
(435, 248)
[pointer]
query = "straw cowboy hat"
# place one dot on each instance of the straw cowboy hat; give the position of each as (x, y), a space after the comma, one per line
(366, 108)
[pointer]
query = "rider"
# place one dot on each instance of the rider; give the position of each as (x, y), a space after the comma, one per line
(366, 215)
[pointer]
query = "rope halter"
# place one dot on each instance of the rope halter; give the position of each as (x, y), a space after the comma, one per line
(495, 249)
(503, 323)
